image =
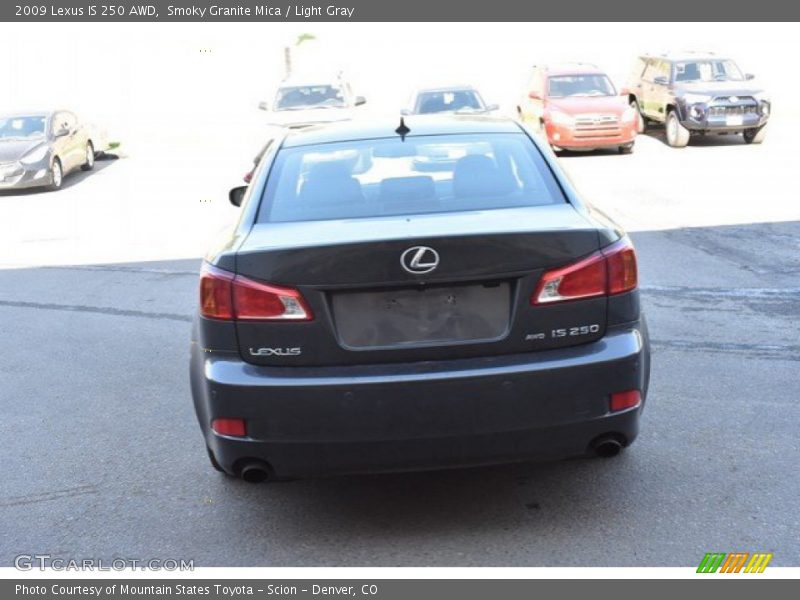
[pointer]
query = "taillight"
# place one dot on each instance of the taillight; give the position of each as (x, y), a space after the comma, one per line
(216, 293)
(258, 301)
(624, 400)
(232, 427)
(607, 272)
(227, 296)
(622, 273)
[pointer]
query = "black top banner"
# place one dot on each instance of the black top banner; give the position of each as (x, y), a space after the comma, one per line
(400, 10)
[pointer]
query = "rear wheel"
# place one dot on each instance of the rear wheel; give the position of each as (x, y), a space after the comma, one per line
(89, 157)
(756, 135)
(641, 123)
(677, 134)
(56, 175)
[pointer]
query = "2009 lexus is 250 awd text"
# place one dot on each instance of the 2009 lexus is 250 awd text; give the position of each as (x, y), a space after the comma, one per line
(415, 294)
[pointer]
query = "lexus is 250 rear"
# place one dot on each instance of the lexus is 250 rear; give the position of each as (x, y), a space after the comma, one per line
(428, 295)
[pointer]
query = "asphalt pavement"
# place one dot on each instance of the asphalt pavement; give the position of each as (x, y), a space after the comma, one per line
(103, 457)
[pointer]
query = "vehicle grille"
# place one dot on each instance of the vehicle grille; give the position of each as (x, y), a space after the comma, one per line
(724, 106)
(735, 100)
(724, 111)
(597, 126)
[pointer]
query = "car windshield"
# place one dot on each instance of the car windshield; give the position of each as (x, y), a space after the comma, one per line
(309, 96)
(707, 70)
(22, 127)
(448, 101)
(563, 86)
(427, 174)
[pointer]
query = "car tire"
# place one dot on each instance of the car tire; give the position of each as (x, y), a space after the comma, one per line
(90, 156)
(677, 135)
(628, 149)
(56, 175)
(756, 135)
(641, 122)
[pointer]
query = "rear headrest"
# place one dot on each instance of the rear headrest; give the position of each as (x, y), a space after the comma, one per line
(408, 189)
(331, 181)
(478, 175)
(328, 170)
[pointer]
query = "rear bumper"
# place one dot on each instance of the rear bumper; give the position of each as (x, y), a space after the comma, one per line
(569, 138)
(316, 421)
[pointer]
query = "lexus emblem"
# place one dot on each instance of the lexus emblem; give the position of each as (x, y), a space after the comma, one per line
(734, 99)
(419, 260)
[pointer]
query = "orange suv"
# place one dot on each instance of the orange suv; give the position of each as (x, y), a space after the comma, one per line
(578, 108)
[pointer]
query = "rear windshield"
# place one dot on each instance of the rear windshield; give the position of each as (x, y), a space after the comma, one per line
(426, 174)
(309, 96)
(448, 101)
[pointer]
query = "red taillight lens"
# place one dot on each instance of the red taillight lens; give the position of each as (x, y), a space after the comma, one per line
(623, 400)
(216, 293)
(622, 273)
(233, 427)
(258, 301)
(226, 296)
(610, 271)
(584, 279)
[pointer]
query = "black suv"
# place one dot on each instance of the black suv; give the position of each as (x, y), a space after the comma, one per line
(697, 94)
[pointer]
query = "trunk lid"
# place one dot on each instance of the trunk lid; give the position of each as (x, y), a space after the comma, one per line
(369, 308)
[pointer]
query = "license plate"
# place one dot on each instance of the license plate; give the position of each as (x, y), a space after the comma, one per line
(446, 314)
(734, 120)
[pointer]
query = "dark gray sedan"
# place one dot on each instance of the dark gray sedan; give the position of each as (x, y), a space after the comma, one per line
(38, 149)
(371, 313)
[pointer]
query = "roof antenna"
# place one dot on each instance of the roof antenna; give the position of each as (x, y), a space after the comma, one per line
(403, 130)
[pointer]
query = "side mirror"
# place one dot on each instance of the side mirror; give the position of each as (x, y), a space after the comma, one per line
(263, 105)
(360, 100)
(661, 80)
(492, 107)
(749, 76)
(405, 112)
(236, 195)
(534, 96)
(62, 131)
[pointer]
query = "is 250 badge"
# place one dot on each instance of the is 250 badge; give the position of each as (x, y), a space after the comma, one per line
(563, 332)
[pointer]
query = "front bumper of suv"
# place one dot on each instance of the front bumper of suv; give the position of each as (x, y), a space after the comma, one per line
(391, 417)
(724, 117)
(590, 136)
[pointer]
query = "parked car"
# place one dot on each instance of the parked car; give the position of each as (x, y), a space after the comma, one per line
(452, 99)
(304, 101)
(577, 108)
(698, 94)
(367, 316)
(39, 148)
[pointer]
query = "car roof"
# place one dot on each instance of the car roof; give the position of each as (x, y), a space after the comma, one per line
(685, 55)
(445, 88)
(311, 79)
(418, 125)
(572, 69)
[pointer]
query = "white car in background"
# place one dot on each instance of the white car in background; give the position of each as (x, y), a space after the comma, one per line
(304, 101)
